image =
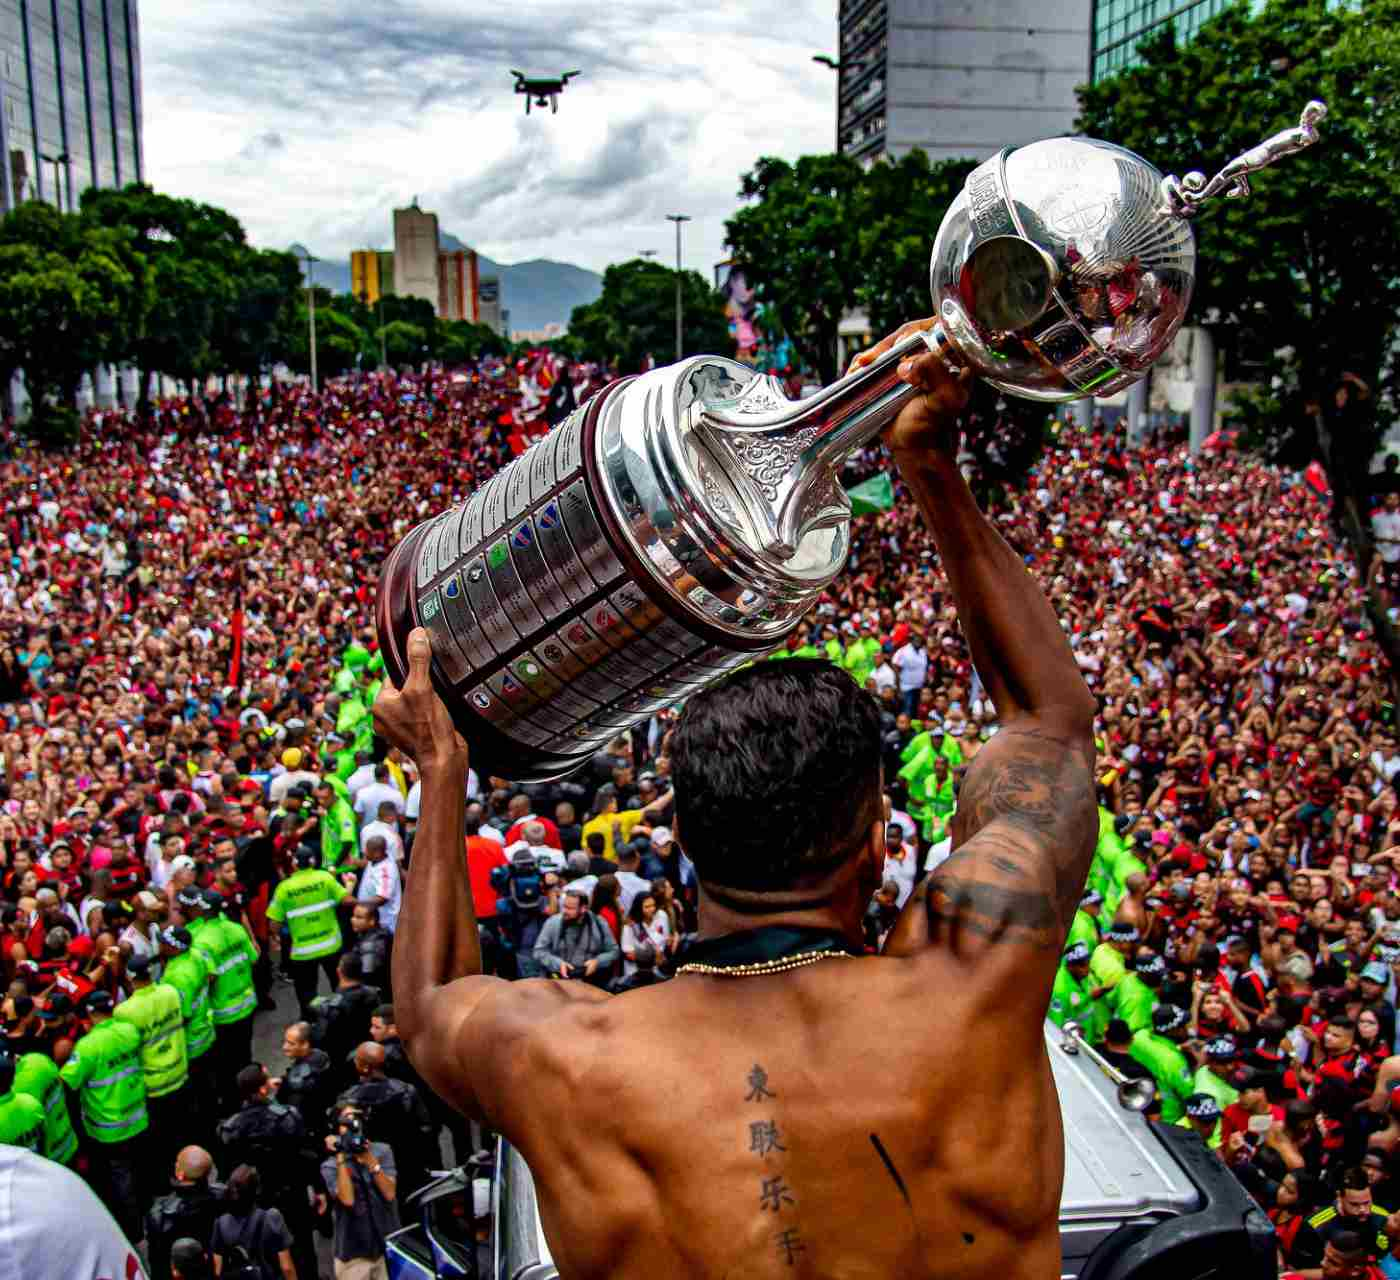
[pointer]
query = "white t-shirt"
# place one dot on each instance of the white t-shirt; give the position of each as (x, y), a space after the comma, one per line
(912, 665)
(392, 840)
(359, 780)
(629, 885)
(52, 1224)
(369, 799)
(549, 859)
(381, 880)
(901, 871)
(1386, 527)
(143, 945)
(633, 935)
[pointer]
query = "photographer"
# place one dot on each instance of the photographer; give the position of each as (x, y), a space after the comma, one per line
(576, 944)
(360, 1176)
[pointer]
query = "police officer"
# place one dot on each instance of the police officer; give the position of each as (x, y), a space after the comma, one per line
(153, 1008)
(1074, 997)
(189, 1211)
(105, 1069)
(230, 954)
(306, 901)
(342, 1018)
(21, 1117)
(270, 1136)
(1159, 1050)
(395, 1114)
(189, 973)
(307, 1082)
(36, 1074)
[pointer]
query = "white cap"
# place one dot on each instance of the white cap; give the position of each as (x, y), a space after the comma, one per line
(661, 836)
(183, 862)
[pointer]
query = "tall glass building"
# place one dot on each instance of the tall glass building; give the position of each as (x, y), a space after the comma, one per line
(1119, 25)
(71, 119)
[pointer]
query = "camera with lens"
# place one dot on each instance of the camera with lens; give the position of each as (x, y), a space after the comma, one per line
(350, 1137)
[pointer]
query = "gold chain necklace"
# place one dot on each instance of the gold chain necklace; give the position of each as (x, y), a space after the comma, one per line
(760, 967)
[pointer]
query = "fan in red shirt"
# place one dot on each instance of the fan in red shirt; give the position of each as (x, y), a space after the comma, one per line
(519, 811)
(483, 856)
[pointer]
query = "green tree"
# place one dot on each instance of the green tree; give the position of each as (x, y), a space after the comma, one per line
(635, 317)
(796, 242)
(64, 297)
(186, 257)
(1304, 277)
(900, 206)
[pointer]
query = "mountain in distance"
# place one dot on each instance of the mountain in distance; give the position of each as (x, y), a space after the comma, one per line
(537, 293)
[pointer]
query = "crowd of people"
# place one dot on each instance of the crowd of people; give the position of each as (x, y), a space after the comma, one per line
(194, 809)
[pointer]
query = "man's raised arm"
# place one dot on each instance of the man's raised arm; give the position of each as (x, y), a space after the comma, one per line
(437, 950)
(1025, 827)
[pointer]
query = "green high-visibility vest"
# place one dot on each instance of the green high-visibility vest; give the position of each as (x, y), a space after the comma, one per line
(37, 1075)
(1133, 1000)
(1070, 1002)
(1106, 966)
(1169, 1069)
(154, 1011)
(21, 1121)
(1085, 929)
(1208, 1082)
(106, 1068)
(190, 974)
(229, 952)
(306, 901)
(339, 834)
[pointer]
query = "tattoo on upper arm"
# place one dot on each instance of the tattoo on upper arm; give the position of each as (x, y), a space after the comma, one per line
(1027, 808)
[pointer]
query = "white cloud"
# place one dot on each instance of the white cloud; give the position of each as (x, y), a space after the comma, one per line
(310, 120)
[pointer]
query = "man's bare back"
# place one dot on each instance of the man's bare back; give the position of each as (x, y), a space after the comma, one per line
(789, 1125)
(888, 1116)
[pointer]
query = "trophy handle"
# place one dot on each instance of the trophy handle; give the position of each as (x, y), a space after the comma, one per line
(1184, 196)
(781, 458)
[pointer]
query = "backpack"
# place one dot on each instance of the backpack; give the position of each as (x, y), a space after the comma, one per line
(243, 1259)
(526, 882)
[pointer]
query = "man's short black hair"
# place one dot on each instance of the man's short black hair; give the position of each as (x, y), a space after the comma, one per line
(385, 1014)
(250, 1081)
(351, 966)
(777, 774)
(1354, 1179)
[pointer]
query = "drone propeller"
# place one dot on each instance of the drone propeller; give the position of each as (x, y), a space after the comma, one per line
(569, 75)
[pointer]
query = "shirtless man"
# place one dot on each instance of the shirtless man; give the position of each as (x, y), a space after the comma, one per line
(883, 1116)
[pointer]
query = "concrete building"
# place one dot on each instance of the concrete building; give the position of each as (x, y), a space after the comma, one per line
(957, 78)
(416, 254)
(71, 117)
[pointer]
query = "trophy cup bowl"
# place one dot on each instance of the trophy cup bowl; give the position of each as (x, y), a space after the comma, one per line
(1060, 272)
(681, 522)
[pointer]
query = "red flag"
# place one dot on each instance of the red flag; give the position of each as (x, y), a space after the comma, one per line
(1317, 478)
(235, 658)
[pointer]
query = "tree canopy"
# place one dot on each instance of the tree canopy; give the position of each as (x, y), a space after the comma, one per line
(635, 317)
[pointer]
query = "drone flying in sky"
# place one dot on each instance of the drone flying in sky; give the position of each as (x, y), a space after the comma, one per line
(542, 92)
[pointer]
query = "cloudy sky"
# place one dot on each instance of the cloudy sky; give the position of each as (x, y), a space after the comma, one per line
(311, 119)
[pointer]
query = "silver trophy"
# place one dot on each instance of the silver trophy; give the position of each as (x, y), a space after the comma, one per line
(682, 522)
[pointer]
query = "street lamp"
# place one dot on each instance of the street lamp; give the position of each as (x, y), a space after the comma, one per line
(311, 311)
(63, 158)
(838, 65)
(648, 254)
(678, 218)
